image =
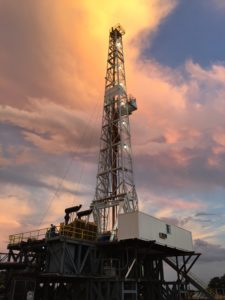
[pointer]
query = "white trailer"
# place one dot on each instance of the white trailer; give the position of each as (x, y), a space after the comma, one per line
(138, 225)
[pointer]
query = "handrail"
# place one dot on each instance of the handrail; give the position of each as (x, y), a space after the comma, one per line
(3, 257)
(70, 231)
(193, 276)
(29, 235)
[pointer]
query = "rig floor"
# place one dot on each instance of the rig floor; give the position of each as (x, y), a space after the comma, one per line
(62, 268)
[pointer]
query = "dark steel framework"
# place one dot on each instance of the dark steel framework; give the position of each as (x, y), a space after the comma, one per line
(78, 269)
(115, 189)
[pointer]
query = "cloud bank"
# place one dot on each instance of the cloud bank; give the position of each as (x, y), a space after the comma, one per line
(53, 61)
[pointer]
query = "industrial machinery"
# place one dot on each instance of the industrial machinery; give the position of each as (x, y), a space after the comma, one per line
(120, 254)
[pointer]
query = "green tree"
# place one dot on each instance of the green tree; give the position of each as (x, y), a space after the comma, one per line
(218, 284)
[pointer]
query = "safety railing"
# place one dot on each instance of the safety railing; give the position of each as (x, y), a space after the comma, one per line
(68, 231)
(77, 233)
(211, 291)
(3, 257)
(27, 236)
(200, 282)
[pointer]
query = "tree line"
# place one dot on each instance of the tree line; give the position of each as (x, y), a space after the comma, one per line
(218, 284)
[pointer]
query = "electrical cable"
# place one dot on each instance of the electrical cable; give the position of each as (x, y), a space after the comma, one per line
(61, 181)
(89, 150)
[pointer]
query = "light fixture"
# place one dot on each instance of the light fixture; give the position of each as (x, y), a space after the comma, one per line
(118, 45)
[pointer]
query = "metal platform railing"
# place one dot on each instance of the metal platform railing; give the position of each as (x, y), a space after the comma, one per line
(27, 236)
(77, 233)
(4, 257)
(68, 231)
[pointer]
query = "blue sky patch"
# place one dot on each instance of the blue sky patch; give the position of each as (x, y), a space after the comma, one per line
(194, 30)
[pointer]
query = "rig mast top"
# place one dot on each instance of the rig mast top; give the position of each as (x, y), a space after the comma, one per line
(115, 190)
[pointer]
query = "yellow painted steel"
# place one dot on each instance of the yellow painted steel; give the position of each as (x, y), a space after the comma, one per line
(78, 229)
(27, 236)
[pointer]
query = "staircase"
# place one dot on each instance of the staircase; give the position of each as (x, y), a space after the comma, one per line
(193, 279)
(4, 259)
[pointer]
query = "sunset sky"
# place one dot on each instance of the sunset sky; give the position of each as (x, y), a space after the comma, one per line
(52, 68)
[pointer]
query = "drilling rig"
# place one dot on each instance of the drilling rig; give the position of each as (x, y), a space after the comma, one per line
(122, 253)
(115, 189)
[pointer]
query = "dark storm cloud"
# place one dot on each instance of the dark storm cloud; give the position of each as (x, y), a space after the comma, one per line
(203, 214)
(51, 127)
(165, 169)
(30, 179)
(210, 252)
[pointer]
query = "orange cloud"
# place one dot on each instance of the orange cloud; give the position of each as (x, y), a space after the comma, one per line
(10, 215)
(52, 89)
(52, 83)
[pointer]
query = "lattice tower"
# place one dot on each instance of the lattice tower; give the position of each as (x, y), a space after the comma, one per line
(115, 190)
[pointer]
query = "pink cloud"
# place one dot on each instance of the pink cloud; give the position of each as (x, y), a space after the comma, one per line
(52, 88)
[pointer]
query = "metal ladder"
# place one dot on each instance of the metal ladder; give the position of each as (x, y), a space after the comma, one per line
(129, 288)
